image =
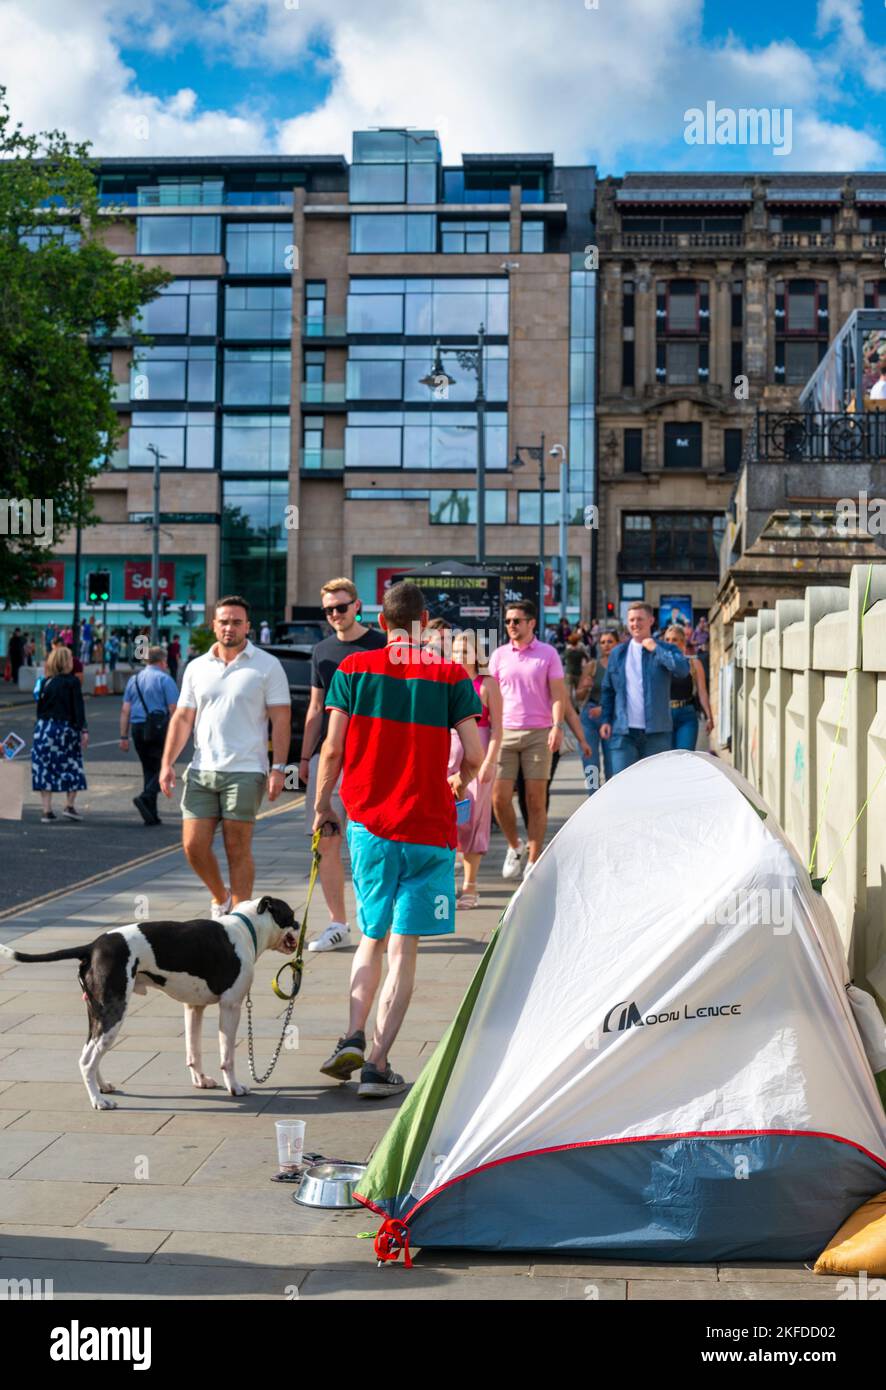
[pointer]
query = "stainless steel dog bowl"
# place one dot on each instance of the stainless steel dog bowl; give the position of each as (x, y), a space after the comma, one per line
(329, 1185)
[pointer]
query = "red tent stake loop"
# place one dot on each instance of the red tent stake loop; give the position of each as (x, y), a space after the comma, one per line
(392, 1237)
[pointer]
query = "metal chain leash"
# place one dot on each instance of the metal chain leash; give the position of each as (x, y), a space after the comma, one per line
(251, 1042)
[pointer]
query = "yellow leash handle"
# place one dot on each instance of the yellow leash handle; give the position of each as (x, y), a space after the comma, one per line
(295, 963)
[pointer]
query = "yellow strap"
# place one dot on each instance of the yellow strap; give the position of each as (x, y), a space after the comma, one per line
(855, 823)
(827, 786)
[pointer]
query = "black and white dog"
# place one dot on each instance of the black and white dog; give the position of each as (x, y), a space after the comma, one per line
(199, 962)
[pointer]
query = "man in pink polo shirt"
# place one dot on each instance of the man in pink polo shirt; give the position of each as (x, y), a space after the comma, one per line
(535, 704)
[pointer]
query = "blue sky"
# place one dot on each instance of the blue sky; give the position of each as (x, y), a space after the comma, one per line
(607, 81)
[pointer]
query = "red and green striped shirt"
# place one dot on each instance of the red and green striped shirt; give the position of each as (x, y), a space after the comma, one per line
(402, 702)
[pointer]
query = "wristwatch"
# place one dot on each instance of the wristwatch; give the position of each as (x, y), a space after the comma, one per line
(278, 767)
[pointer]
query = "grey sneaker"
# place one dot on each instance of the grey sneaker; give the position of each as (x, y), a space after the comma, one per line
(376, 1084)
(347, 1057)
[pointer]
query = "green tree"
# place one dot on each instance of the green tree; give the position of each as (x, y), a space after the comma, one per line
(61, 289)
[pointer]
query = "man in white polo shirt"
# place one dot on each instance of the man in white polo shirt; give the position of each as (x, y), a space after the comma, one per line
(227, 698)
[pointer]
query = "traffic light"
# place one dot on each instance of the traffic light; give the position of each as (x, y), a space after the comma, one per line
(185, 613)
(610, 609)
(164, 605)
(146, 605)
(98, 586)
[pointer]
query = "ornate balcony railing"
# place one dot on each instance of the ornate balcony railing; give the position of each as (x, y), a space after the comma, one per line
(679, 240)
(802, 241)
(820, 436)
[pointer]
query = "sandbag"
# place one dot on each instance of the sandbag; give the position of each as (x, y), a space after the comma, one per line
(860, 1243)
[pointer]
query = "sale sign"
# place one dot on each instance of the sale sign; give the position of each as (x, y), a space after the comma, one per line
(51, 583)
(137, 579)
(384, 578)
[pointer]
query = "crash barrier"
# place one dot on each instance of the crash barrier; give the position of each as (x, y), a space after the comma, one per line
(808, 725)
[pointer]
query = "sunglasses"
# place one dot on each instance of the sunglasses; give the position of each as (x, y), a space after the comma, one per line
(513, 622)
(338, 607)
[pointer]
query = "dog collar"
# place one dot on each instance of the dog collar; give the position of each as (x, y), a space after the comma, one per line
(247, 922)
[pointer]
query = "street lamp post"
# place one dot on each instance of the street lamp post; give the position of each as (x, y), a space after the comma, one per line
(155, 549)
(537, 453)
(472, 359)
(558, 451)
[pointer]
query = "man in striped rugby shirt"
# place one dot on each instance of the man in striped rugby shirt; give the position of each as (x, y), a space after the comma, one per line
(390, 713)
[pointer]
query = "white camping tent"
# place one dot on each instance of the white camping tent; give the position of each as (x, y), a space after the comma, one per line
(658, 1058)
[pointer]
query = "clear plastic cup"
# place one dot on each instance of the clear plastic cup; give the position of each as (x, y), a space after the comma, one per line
(290, 1144)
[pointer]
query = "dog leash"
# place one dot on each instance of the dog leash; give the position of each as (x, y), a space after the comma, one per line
(296, 965)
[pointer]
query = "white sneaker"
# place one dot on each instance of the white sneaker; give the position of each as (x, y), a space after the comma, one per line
(336, 935)
(219, 910)
(527, 868)
(514, 861)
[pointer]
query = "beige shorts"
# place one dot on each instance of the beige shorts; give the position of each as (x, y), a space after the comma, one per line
(222, 795)
(311, 794)
(527, 749)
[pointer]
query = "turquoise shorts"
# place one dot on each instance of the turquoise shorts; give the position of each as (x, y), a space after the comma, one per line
(408, 889)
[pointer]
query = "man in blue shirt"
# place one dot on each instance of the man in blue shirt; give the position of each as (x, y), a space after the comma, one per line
(148, 701)
(636, 696)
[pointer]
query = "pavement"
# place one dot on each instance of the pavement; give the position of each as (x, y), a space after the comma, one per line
(170, 1195)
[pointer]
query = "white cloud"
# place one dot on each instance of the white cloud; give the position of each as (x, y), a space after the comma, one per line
(607, 85)
(63, 71)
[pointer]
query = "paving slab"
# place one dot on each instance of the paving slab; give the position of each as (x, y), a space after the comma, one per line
(45, 1065)
(10, 1022)
(78, 1243)
(85, 1120)
(120, 1158)
(54, 1204)
(75, 1025)
(17, 1148)
(267, 1209)
(754, 1273)
(312, 1252)
(696, 1290)
(60, 1095)
(439, 1285)
(90, 1279)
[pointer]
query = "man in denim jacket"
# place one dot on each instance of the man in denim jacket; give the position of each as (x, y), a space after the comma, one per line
(635, 701)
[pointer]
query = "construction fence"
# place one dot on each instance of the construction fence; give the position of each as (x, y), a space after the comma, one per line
(803, 702)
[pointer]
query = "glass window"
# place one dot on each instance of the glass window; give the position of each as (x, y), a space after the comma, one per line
(378, 183)
(377, 232)
(177, 236)
(257, 376)
(633, 451)
(458, 507)
(183, 308)
(187, 440)
(55, 232)
(421, 184)
(254, 542)
(375, 380)
(259, 248)
(375, 313)
(528, 508)
(459, 238)
(377, 446)
(420, 363)
(255, 443)
(533, 236)
(395, 146)
(682, 307)
(682, 364)
(173, 374)
(315, 368)
(801, 308)
(682, 445)
(800, 361)
(258, 311)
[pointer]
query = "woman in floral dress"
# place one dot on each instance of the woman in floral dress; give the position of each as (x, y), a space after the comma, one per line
(60, 737)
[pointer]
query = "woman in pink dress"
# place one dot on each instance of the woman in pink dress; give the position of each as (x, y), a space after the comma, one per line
(473, 837)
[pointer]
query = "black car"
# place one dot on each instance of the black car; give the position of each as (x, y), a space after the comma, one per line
(302, 632)
(296, 662)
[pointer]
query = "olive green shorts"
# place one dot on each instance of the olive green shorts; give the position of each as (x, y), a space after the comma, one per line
(222, 795)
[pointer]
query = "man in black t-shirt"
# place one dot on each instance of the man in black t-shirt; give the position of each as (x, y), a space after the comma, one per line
(341, 605)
